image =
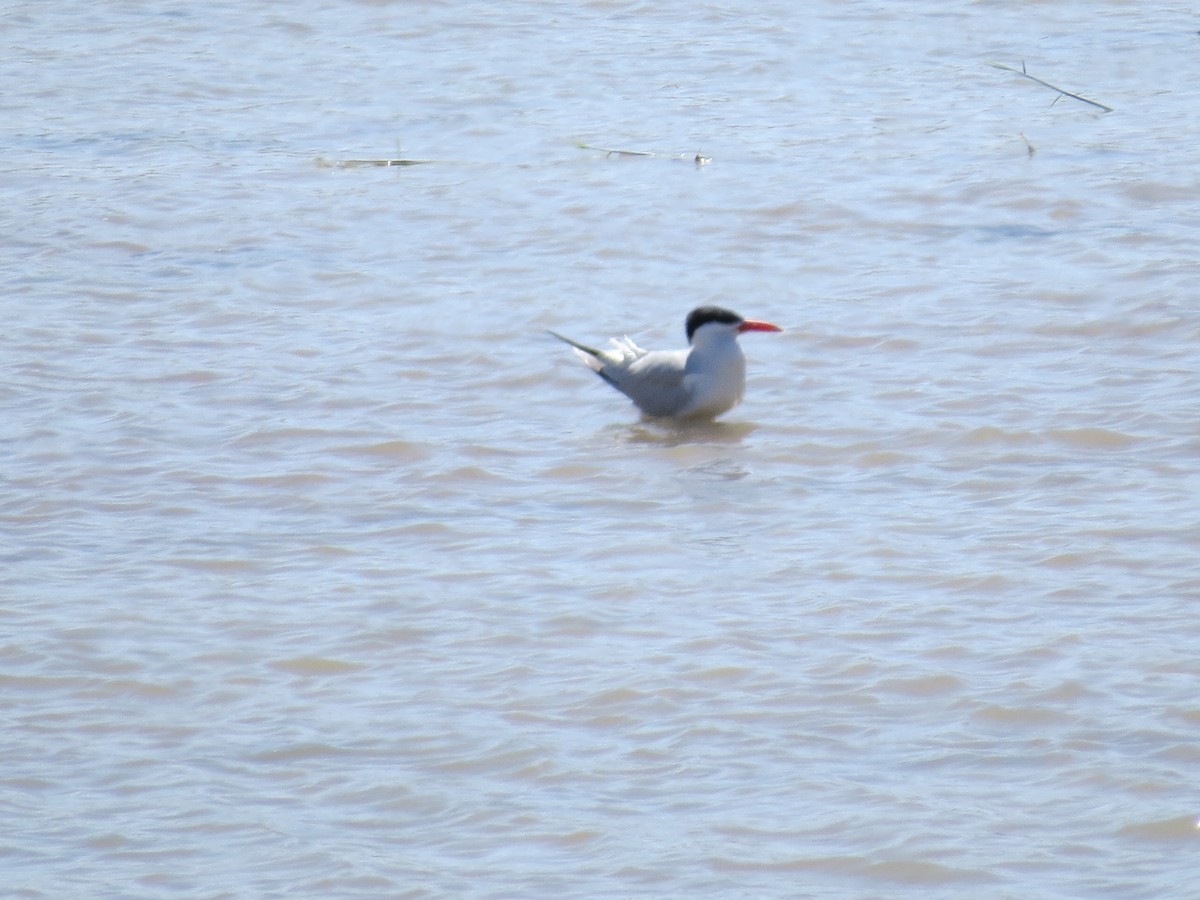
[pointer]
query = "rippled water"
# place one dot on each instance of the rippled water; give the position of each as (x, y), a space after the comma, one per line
(327, 573)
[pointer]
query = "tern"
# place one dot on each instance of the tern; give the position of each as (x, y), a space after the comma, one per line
(701, 382)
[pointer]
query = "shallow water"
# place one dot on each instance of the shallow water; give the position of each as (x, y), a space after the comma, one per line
(328, 573)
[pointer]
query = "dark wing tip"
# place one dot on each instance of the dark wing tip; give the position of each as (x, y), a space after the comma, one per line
(578, 346)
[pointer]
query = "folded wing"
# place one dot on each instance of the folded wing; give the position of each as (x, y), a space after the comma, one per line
(654, 380)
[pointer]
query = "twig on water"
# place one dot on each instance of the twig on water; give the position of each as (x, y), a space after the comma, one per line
(699, 159)
(609, 151)
(354, 163)
(326, 163)
(1021, 71)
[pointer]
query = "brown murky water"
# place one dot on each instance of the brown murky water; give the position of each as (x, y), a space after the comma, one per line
(326, 573)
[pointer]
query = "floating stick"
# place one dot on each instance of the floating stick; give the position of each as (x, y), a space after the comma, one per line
(608, 151)
(1061, 92)
(351, 163)
(699, 159)
(325, 163)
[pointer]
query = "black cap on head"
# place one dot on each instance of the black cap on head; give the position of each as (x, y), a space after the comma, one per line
(702, 315)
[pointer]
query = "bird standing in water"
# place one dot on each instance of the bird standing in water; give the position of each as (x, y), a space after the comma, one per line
(701, 382)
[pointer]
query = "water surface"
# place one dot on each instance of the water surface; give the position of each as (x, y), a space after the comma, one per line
(328, 573)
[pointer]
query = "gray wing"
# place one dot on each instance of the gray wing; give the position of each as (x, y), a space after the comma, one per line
(656, 382)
